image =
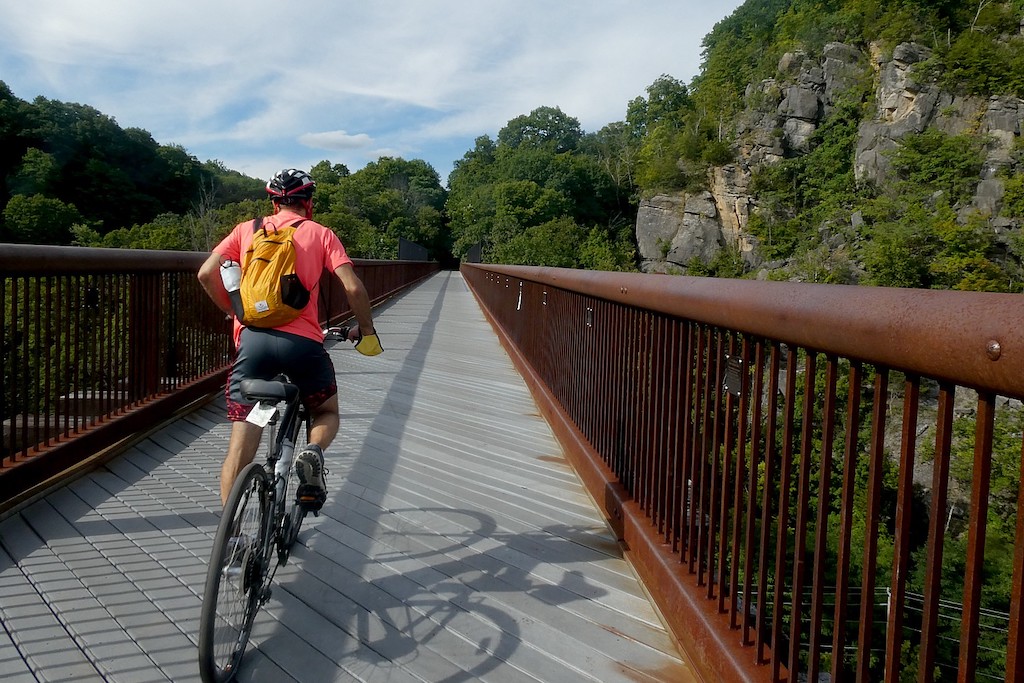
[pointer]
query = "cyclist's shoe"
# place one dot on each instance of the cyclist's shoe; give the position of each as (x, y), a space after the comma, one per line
(309, 467)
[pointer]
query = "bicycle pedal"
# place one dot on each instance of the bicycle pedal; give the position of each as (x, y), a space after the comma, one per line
(311, 503)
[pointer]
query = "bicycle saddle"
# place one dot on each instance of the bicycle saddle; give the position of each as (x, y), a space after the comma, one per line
(268, 390)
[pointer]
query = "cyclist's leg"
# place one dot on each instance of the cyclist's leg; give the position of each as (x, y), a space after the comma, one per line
(313, 372)
(245, 441)
(309, 463)
(324, 422)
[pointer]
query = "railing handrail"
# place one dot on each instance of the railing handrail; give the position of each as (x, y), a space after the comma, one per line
(897, 328)
(23, 259)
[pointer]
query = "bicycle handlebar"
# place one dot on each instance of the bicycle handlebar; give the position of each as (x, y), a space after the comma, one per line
(337, 332)
(371, 348)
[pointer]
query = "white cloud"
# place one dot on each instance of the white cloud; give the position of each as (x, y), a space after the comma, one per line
(336, 140)
(243, 82)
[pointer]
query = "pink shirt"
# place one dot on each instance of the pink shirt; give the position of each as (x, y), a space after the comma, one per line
(316, 249)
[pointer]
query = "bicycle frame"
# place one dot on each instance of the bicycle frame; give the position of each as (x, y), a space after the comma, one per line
(278, 466)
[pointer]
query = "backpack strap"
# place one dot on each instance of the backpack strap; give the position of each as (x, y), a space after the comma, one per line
(258, 223)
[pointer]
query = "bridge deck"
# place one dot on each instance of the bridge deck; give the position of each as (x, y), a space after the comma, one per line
(456, 544)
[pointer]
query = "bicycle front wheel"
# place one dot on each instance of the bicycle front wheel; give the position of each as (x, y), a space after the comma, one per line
(234, 577)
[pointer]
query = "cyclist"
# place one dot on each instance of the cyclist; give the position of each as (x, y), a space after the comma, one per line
(295, 348)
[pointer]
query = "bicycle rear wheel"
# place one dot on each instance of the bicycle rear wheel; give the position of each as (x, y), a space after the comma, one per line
(234, 577)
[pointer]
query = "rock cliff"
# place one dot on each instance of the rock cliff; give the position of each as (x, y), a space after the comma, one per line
(781, 116)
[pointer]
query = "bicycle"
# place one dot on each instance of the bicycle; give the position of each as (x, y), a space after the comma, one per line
(255, 523)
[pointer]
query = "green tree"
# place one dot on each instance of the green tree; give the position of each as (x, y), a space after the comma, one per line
(326, 173)
(615, 149)
(900, 252)
(166, 231)
(221, 184)
(933, 161)
(173, 176)
(798, 195)
(667, 102)
(13, 121)
(36, 174)
(962, 261)
(1013, 197)
(554, 243)
(658, 160)
(37, 219)
(608, 250)
(525, 203)
(114, 177)
(546, 127)
(985, 56)
(386, 200)
(499, 192)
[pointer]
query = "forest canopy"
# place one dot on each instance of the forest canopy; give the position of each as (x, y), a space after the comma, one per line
(541, 190)
(73, 176)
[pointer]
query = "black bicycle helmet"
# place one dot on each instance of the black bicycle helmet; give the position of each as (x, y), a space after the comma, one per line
(291, 183)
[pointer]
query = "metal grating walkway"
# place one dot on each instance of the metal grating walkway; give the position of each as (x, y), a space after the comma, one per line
(456, 544)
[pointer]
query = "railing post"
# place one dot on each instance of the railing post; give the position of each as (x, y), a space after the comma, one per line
(144, 361)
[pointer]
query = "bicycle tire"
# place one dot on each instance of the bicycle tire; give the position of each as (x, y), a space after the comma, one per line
(232, 596)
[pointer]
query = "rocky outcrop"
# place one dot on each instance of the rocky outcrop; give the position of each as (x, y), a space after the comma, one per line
(906, 105)
(677, 229)
(782, 115)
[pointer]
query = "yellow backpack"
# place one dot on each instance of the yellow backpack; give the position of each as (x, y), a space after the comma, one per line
(272, 294)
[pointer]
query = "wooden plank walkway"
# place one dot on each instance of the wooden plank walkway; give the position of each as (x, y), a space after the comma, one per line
(456, 543)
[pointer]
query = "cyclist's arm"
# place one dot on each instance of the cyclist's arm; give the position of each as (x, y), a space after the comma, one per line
(209, 278)
(357, 297)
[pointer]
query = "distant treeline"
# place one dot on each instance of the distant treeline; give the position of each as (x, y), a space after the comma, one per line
(543, 193)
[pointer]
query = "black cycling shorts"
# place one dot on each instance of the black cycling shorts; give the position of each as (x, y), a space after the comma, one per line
(267, 353)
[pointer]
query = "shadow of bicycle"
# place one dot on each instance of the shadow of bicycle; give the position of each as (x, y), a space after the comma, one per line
(468, 596)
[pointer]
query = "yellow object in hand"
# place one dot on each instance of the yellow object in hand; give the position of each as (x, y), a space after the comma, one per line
(369, 345)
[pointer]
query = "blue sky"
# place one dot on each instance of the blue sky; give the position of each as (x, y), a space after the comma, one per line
(260, 86)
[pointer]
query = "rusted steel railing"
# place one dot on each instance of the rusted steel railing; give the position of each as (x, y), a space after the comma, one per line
(811, 479)
(97, 343)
